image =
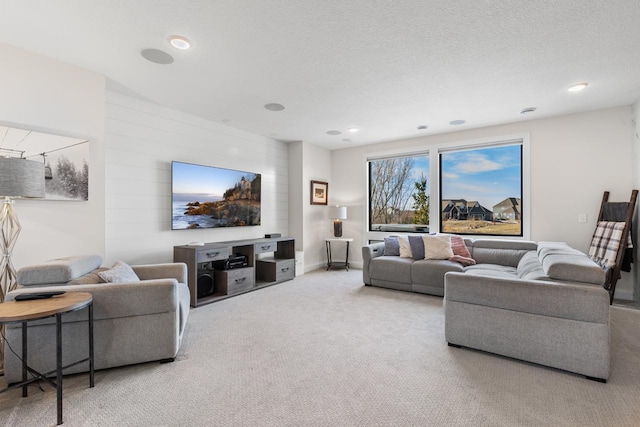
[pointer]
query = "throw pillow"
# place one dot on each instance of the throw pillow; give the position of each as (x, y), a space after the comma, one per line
(89, 278)
(437, 247)
(463, 260)
(405, 247)
(458, 247)
(391, 246)
(119, 273)
(417, 247)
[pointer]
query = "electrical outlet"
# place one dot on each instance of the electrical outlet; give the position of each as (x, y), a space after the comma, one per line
(582, 217)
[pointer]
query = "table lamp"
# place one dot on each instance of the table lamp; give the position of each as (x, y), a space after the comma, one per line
(19, 178)
(337, 213)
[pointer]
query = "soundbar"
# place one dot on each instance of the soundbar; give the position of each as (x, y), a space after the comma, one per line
(272, 235)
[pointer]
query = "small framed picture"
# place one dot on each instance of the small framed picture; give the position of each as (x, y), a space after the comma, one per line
(319, 192)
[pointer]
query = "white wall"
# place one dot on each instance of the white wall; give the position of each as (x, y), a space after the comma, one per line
(574, 158)
(296, 193)
(309, 223)
(141, 140)
(49, 96)
(317, 225)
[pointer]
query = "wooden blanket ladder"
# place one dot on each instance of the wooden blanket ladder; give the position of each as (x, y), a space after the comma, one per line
(620, 212)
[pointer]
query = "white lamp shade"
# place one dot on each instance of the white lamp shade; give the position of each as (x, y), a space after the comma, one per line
(21, 178)
(338, 212)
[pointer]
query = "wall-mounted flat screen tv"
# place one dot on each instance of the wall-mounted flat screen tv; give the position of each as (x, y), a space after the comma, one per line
(211, 197)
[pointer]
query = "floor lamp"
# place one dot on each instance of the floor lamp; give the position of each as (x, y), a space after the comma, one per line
(19, 178)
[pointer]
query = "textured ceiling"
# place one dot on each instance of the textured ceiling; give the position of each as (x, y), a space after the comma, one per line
(383, 66)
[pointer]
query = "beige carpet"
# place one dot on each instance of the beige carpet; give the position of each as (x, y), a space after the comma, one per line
(323, 350)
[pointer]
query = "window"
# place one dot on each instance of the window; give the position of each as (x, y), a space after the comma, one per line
(399, 193)
(481, 190)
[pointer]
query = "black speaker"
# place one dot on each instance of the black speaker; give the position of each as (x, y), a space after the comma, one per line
(205, 283)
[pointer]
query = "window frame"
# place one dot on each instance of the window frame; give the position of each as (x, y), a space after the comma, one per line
(390, 155)
(522, 202)
(433, 151)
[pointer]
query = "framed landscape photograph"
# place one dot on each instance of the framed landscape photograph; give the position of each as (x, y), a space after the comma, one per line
(64, 159)
(319, 192)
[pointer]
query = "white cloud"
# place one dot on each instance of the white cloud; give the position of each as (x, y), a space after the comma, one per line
(449, 175)
(475, 163)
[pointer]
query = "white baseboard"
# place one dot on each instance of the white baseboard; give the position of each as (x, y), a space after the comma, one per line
(323, 265)
(624, 294)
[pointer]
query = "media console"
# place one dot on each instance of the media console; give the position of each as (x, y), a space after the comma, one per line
(268, 261)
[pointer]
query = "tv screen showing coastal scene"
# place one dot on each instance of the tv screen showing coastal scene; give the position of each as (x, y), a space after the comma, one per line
(212, 197)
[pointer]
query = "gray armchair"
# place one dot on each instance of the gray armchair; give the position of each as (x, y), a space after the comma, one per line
(134, 321)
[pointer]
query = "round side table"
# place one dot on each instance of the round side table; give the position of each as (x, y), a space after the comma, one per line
(24, 311)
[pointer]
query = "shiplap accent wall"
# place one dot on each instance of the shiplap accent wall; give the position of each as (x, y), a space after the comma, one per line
(141, 140)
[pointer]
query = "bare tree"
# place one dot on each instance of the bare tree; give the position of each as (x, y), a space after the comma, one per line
(391, 188)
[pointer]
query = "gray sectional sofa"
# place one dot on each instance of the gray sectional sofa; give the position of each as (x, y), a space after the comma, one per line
(427, 276)
(539, 302)
(135, 321)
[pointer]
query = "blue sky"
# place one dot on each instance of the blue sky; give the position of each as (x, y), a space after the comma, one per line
(421, 167)
(488, 175)
(197, 179)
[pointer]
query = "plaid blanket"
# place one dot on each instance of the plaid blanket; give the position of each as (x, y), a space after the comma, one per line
(605, 242)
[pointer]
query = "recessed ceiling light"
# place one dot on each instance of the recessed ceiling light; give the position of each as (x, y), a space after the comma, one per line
(422, 127)
(353, 130)
(528, 110)
(274, 107)
(457, 122)
(157, 56)
(578, 87)
(179, 42)
(333, 132)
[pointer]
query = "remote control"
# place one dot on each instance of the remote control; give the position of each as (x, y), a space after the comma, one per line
(41, 295)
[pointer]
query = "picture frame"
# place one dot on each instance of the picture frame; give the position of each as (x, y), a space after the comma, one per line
(65, 160)
(319, 192)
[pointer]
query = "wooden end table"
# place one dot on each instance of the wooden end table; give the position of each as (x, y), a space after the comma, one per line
(24, 311)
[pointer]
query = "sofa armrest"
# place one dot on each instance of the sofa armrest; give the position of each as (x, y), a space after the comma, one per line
(581, 302)
(113, 300)
(370, 252)
(174, 270)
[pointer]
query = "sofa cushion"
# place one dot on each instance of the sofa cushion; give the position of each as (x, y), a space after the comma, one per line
(57, 271)
(430, 272)
(502, 252)
(492, 270)
(562, 262)
(529, 268)
(391, 269)
(119, 273)
(437, 247)
(391, 246)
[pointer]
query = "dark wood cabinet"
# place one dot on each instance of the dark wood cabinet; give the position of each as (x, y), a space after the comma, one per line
(269, 261)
